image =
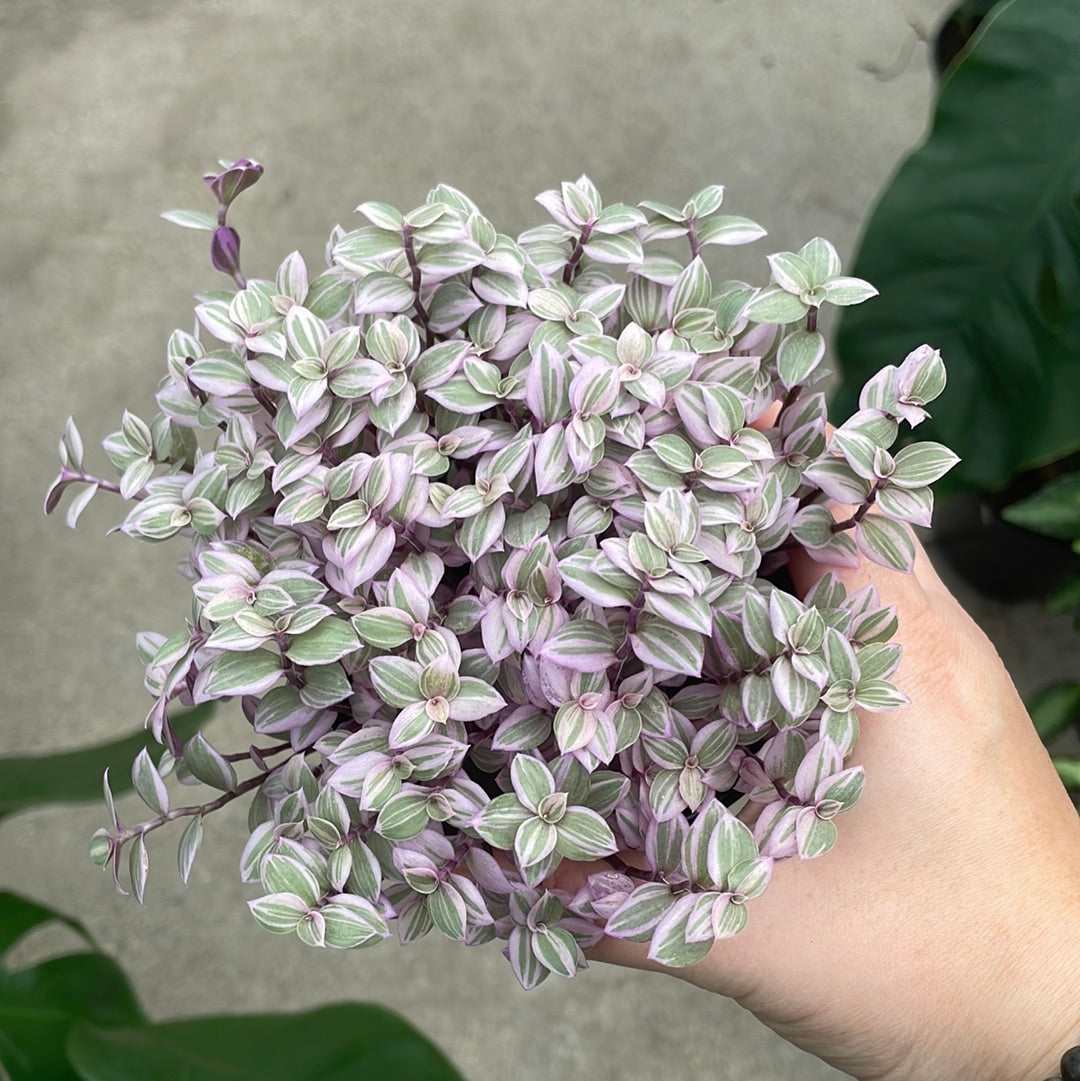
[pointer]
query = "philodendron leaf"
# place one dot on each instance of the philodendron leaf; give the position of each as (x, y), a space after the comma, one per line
(334, 1043)
(1068, 769)
(19, 915)
(1054, 709)
(39, 1005)
(977, 233)
(1053, 510)
(75, 776)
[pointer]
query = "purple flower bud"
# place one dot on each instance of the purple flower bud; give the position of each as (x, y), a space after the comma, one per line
(229, 183)
(225, 250)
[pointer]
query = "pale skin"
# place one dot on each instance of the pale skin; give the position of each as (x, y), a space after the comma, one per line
(940, 939)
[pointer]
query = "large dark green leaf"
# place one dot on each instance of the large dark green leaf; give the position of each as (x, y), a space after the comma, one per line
(75, 776)
(975, 247)
(336, 1043)
(1054, 709)
(38, 1005)
(1053, 510)
(19, 915)
(1068, 770)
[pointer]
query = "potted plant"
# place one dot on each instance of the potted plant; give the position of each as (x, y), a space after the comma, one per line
(489, 545)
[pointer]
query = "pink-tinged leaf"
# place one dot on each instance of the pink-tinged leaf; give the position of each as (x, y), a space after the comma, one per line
(797, 694)
(552, 466)
(403, 816)
(534, 841)
(574, 727)
(385, 628)
(413, 920)
(77, 505)
(138, 866)
(396, 680)
(665, 798)
(844, 787)
(688, 612)
(671, 649)
(822, 761)
(447, 909)
(411, 725)
(500, 820)
(885, 541)
(774, 830)
(914, 505)
(618, 248)
(352, 921)
(207, 764)
(728, 917)
(190, 841)
(523, 961)
(278, 913)
(482, 532)
(523, 730)
(556, 950)
(581, 645)
(838, 480)
(814, 836)
(664, 844)
(879, 694)
(475, 700)
(692, 787)
(668, 945)
(639, 914)
(729, 845)
(696, 844)
(584, 835)
(838, 551)
(547, 386)
(531, 779)
(699, 924)
(595, 388)
(749, 879)
(148, 783)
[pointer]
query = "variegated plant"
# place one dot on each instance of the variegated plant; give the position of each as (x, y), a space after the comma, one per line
(484, 541)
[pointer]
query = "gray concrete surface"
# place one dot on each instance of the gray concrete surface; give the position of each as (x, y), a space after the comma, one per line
(110, 112)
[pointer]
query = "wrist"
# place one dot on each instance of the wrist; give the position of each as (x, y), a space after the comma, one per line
(1034, 1014)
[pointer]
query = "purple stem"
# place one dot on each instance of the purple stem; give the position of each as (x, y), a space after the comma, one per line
(695, 244)
(860, 514)
(70, 475)
(575, 256)
(182, 812)
(421, 311)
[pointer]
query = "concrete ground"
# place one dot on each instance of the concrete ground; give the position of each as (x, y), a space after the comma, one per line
(110, 112)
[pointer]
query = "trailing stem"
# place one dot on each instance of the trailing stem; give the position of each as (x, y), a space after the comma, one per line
(575, 256)
(422, 316)
(863, 510)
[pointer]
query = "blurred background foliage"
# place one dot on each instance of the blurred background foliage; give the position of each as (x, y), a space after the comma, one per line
(975, 246)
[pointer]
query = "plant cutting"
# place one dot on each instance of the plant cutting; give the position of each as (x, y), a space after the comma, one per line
(489, 545)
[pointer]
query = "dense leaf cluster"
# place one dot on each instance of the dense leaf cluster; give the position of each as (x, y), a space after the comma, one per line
(482, 535)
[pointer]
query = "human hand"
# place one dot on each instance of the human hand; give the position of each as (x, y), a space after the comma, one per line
(940, 938)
